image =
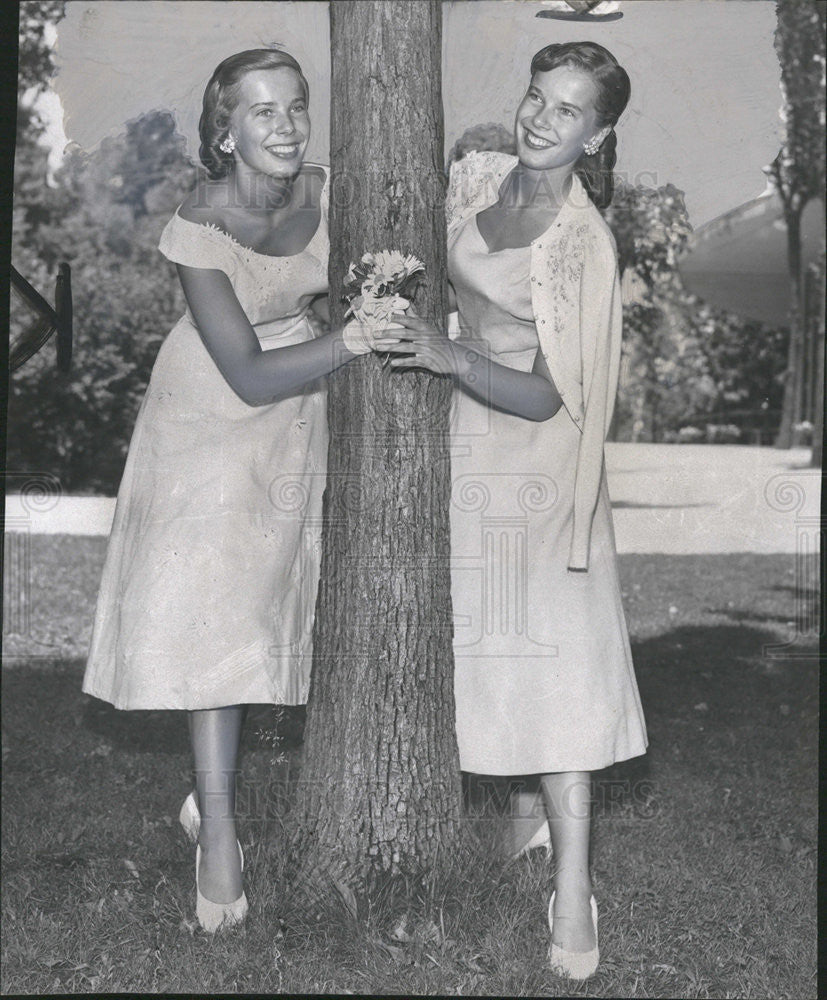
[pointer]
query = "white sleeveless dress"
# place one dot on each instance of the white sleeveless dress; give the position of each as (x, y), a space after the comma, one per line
(209, 586)
(544, 678)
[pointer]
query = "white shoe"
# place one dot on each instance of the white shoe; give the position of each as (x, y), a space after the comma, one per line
(213, 916)
(573, 964)
(541, 838)
(190, 818)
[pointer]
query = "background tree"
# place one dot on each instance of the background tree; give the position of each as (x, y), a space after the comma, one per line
(478, 138)
(799, 175)
(665, 374)
(690, 372)
(379, 790)
(103, 213)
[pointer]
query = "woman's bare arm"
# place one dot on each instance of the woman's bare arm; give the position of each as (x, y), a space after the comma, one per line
(258, 377)
(532, 395)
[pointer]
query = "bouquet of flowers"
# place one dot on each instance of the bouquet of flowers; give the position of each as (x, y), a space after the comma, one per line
(377, 286)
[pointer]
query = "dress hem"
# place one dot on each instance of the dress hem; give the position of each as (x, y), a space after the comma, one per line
(123, 706)
(557, 768)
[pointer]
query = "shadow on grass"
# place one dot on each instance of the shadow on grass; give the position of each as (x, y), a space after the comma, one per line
(676, 670)
(728, 661)
(632, 505)
(802, 593)
(98, 894)
(739, 616)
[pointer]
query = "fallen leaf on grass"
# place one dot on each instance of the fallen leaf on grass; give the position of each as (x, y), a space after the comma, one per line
(131, 868)
(665, 968)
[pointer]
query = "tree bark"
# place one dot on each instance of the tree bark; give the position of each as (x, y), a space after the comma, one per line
(794, 375)
(816, 312)
(380, 787)
(798, 172)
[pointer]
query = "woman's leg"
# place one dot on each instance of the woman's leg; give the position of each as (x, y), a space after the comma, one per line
(215, 735)
(568, 803)
(526, 814)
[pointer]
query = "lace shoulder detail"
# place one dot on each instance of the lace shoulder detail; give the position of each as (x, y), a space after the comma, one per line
(197, 244)
(475, 179)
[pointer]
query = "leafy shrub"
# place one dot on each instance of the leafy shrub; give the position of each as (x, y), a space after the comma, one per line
(723, 434)
(690, 435)
(104, 217)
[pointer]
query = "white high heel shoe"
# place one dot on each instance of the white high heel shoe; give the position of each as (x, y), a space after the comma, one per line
(541, 838)
(213, 916)
(574, 964)
(190, 818)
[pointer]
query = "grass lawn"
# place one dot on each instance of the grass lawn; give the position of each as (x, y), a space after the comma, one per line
(704, 850)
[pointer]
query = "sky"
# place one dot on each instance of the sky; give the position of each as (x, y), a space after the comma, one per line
(704, 113)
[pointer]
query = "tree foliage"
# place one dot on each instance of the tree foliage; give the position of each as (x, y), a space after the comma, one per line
(104, 215)
(799, 171)
(798, 174)
(478, 138)
(685, 364)
(35, 63)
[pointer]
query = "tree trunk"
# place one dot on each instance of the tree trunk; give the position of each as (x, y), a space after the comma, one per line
(794, 376)
(816, 313)
(380, 787)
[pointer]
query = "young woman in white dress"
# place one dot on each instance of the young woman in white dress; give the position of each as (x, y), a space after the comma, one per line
(208, 591)
(544, 679)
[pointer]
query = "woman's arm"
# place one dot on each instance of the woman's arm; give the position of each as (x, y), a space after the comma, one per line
(601, 346)
(531, 395)
(258, 377)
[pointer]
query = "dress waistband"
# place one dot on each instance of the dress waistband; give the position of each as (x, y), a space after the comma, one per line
(275, 330)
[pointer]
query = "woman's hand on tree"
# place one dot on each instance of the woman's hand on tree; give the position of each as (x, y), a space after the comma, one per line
(419, 344)
(361, 332)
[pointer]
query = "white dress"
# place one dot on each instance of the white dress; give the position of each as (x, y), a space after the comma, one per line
(544, 679)
(209, 586)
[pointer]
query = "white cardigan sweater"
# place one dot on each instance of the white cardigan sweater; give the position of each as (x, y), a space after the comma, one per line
(575, 295)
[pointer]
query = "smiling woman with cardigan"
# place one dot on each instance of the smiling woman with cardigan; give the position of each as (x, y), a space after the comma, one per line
(544, 678)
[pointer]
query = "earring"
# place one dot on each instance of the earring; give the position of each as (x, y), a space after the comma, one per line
(228, 145)
(591, 147)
